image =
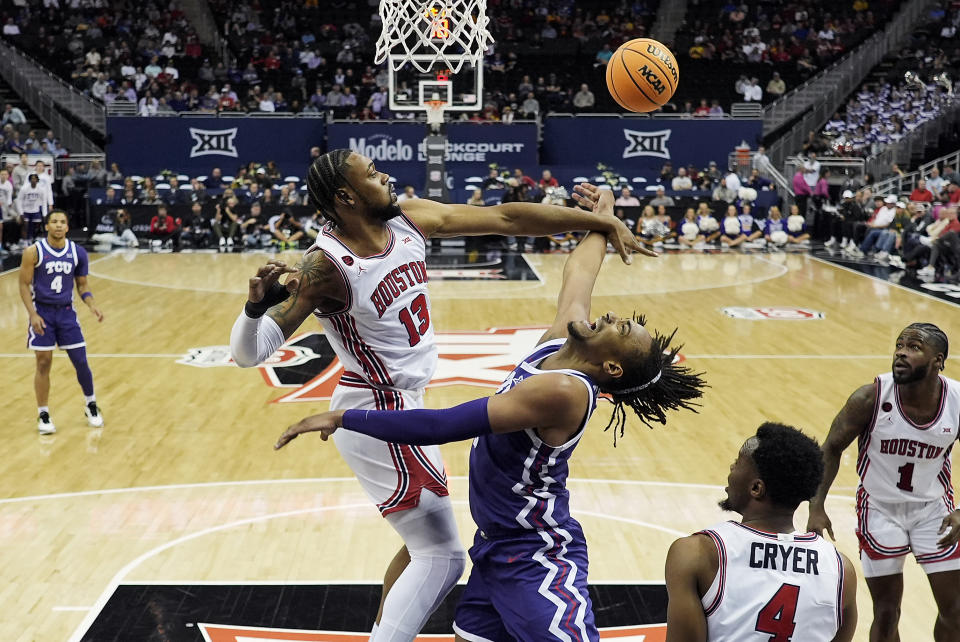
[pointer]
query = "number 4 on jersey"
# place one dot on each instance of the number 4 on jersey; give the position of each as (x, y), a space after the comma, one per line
(56, 284)
(777, 617)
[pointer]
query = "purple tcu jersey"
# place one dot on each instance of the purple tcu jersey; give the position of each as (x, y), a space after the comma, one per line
(55, 270)
(517, 482)
(771, 226)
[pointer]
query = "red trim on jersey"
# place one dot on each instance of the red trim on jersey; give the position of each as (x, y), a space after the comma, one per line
(926, 426)
(950, 553)
(839, 591)
(416, 228)
(384, 252)
(346, 284)
(868, 544)
(372, 366)
(805, 537)
(412, 478)
(368, 351)
(721, 571)
(863, 460)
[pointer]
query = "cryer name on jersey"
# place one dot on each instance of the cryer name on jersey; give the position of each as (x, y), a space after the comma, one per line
(784, 558)
(397, 281)
(909, 448)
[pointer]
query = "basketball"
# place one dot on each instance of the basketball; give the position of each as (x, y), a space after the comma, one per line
(642, 75)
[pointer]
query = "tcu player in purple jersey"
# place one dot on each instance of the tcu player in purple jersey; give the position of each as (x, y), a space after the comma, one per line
(529, 578)
(906, 423)
(365, 279)
(48, 272)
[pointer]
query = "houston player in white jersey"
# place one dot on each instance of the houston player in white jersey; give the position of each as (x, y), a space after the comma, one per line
(757, 580)
(906, 424)
(365, 279)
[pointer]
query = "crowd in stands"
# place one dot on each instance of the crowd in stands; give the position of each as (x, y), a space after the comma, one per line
(913, 87)
(317, 57)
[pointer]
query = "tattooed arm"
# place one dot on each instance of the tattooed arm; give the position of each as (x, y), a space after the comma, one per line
(314, 284)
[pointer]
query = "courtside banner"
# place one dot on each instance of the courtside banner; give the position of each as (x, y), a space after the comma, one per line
(195, 145)
(644, 144)
(399, 148)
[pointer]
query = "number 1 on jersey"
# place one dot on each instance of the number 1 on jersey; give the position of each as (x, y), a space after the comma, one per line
(415, 330)
(777, 617)
(906, 477)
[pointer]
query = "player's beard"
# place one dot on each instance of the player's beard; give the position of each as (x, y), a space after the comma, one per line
(725, 504)
(574, 332)
(911, 375)
(387, 212)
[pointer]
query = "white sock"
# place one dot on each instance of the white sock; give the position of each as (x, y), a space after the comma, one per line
(45, 409)
(87, 399)
(437, 561)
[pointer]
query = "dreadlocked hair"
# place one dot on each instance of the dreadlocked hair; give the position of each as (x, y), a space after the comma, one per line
(324, 178)
(652, 384)
(938, 336)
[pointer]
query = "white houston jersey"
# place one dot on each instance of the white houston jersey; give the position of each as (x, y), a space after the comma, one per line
(900, 461)
(384, 333)
(773, 586)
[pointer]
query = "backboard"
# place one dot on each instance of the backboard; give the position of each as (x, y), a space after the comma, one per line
(411, 89)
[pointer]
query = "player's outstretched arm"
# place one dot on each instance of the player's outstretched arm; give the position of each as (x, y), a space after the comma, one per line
(554, 404)
(686, 621)
(852, 420)
(848, 606)
(520, 219)
(274, 311)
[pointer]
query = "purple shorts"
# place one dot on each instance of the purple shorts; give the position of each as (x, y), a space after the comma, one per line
(532, 587)
(62, 329)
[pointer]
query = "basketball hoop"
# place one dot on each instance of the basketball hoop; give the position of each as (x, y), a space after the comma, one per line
(423, 32)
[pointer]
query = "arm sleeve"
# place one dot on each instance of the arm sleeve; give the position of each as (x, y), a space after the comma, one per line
(252, 341)
(422, 427)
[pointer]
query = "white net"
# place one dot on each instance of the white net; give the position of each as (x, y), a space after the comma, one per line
(422, 32)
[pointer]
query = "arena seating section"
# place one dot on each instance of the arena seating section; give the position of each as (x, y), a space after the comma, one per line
(886, 105)
(274, 34)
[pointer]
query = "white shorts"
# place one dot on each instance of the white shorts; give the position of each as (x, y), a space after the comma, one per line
(392, 475)
(888, 531)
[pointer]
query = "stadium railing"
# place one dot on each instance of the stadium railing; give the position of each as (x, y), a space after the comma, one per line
(49, 96)
(902, 152)
(820, 97)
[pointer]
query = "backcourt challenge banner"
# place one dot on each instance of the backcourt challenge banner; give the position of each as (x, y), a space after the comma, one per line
(194, 146)
(635, 144)
(399, 148)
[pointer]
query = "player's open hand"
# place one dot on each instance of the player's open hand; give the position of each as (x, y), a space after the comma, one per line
(266, 276)
(593, 199)
(325, 423)
(625, 242)
(950, 524)
(818, 522)
(37, 324)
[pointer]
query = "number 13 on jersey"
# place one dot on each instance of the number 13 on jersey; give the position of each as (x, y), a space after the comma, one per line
(416, 328)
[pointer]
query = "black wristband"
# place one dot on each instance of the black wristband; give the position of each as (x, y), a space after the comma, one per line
(277, 293)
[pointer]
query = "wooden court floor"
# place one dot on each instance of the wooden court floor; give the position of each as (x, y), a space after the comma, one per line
(182, 484)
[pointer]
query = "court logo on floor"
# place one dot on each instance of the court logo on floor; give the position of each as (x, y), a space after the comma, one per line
(773, 313)
(308, 364)
(260, 611)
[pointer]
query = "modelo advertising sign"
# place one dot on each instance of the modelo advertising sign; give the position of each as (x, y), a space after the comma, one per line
(195, 145)
(508, 145)
(635, 144)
